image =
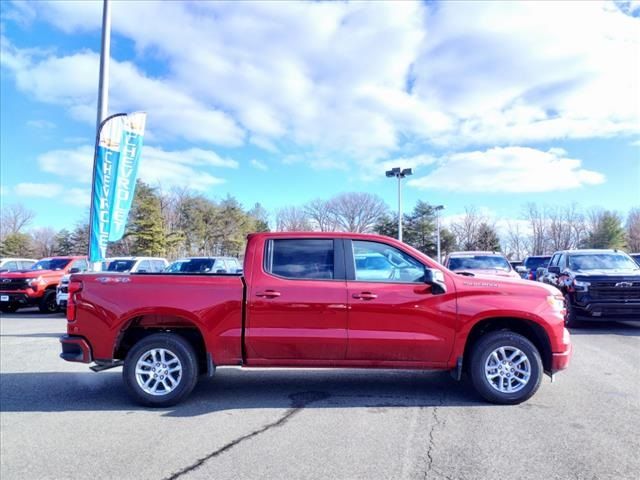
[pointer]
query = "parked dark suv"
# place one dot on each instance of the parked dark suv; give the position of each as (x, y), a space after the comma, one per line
(597, 284)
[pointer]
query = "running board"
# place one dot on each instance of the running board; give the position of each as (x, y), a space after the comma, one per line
(99, 367)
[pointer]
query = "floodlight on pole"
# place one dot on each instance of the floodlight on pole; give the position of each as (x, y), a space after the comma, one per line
(399, 173)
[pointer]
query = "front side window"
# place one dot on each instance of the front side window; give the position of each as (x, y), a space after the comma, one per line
(378, 262)
(120, 265)
(301, 258)
(192, 265)
(533, 263)
(51, 264)
(80, 265)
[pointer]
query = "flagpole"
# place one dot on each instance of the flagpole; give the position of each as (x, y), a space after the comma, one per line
(103, 97)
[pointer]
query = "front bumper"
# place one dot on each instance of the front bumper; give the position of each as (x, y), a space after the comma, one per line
(18, 298)
(560, 361)
(598, 311)
(75, 349)
(62, 298)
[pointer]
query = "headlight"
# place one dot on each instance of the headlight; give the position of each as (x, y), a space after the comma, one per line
(556, 302)
(580, 285)
(34, 282)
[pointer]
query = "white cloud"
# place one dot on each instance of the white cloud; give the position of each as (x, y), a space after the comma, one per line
(353, 79)
(40, 190)
(508, 169)
(259, 165)
(157, 166)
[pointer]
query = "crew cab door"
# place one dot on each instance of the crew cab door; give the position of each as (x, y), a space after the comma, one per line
(297, 302)
(394, 316)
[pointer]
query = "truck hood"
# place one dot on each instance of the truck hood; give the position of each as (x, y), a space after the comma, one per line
(494, 272)
(496, 283)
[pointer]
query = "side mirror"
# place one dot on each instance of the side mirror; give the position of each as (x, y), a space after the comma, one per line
(74, 270)
(435, 278)
(554, 269)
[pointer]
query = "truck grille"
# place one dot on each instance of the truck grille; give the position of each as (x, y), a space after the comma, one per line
(609, 291)
(13, 284)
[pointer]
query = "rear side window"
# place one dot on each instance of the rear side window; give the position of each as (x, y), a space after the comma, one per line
(301, 258)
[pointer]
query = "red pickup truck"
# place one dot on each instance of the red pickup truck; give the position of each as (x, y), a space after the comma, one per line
(317, 300)
(37, 285)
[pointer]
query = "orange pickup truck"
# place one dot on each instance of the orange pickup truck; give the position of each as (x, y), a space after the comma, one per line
(37, 285)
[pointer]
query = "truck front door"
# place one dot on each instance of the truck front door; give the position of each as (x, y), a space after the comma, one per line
(394, 316)
(297, 302)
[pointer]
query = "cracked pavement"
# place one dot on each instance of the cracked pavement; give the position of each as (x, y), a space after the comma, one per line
(59, 420)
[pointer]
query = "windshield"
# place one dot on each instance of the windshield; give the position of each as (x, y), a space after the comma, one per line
(51, 264)
(479, 262)
(532, 263)
(602, 261)
(120, 265)
(194, 265)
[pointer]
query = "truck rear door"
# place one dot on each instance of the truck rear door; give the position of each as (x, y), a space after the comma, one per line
(297, 302)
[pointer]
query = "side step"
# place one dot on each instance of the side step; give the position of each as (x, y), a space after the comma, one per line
(99, 367)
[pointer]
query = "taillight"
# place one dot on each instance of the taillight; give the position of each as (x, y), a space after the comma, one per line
(74, 287)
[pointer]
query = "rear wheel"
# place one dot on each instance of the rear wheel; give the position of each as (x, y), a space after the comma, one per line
(506, 367)
(48, 304)
(160, 370)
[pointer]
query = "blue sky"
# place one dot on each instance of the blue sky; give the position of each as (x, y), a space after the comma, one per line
(493, 104)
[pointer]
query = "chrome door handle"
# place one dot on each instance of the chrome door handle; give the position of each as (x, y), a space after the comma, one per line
(365, 295)
(268, 294)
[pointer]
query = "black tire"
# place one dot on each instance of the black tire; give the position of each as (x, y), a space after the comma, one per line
(180, 349)
(48, 303)
(481, 351)
(10, 308)
(570, 320)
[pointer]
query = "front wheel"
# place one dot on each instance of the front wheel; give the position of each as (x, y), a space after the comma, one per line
(9, 308)
(160, 370)
(506, 368)
(48, 304)
(570, 320)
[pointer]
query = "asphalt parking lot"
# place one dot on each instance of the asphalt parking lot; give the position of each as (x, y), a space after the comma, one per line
(60, 420)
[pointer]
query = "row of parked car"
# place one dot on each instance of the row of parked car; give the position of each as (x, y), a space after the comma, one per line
(597, 284)
(44, 283)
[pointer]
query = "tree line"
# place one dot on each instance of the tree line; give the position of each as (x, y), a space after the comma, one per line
(182, 223)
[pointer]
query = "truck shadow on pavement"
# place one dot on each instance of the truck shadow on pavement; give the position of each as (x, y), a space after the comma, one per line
(625, 329)
(235, 389)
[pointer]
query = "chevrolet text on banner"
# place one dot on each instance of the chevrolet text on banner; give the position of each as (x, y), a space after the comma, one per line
(114, 179)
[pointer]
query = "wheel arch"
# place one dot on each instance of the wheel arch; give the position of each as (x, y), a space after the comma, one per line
(141, 326)
(529, 329)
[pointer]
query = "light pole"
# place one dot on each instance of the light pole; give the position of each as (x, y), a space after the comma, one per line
(437, 208)
(399, 174)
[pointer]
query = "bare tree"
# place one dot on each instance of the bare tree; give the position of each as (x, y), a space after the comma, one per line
(466, 230)
(538, 226)
(321, 216)
(633, 229)
(357, 212)
(292, 219)
(43, 241)
(559, 228)
(516, 241)
(14, 218)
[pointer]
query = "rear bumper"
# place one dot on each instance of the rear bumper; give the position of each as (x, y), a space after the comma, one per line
(75, 349)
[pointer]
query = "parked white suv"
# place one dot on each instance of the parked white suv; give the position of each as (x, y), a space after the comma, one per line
(117, 264)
